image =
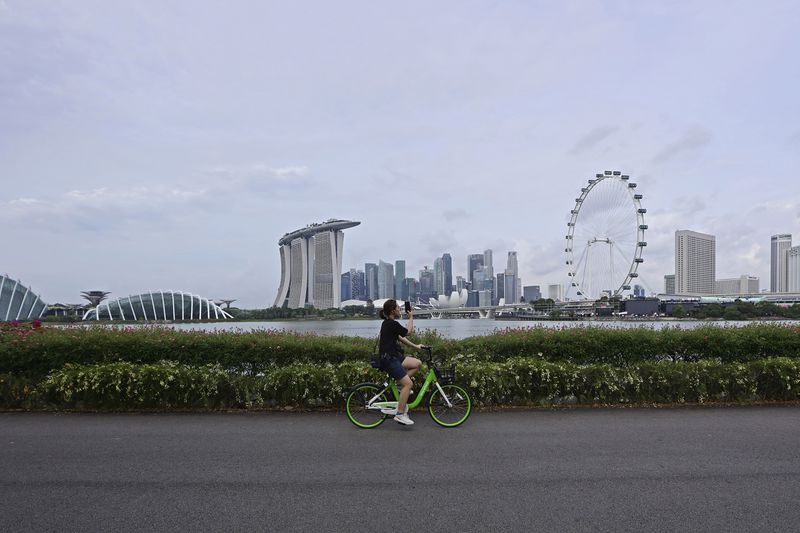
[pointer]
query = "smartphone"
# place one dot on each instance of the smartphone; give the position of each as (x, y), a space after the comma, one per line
(408, 307)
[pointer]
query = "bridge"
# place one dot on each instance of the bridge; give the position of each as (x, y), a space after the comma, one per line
(486, 311)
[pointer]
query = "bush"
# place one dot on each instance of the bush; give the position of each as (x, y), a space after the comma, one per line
(518, 381)
(34, 352)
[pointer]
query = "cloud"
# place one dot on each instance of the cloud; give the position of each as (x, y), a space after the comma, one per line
(693, 139)
(591, 139)
(455, 214)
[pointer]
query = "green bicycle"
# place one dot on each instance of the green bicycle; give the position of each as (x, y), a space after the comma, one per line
(449, 404)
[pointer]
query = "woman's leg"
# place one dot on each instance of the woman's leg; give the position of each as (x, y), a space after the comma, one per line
(405, 390)
(411, 364)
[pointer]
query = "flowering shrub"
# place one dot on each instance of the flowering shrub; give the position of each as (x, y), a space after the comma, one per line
(32, 350)
(517, 381)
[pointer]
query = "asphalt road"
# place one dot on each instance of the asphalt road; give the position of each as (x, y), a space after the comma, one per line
(701, 469)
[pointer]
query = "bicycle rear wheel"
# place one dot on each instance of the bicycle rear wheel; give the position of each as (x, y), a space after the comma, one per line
(356, 406)
(454, 414)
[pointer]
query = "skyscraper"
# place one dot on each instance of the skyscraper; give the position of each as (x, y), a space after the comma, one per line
(669, 284)
(347, 286)
(501, 287)
(400, 291)
(371, 280)
(793, 269)
(555, 292)
(512, 266)
(447, 267)
(427, 290)
(385, 280)
(311, 265)
(359, 289)
(695, 262)
(461, 283)
(532, 293)
(510, 290)
(779, 280)
(438, 275)
(473, 262)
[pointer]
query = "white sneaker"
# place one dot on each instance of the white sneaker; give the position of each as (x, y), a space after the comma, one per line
(403, 419)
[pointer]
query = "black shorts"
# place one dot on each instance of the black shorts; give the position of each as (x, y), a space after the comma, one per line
(395, 367)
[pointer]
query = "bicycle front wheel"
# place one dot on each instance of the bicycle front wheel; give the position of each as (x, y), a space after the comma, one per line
(358, 411)
(453, 414)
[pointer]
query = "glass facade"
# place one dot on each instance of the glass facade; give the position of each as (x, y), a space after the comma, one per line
(18, 302)
(158, 305)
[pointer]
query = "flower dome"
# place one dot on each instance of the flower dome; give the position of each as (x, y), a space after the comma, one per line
(17, 302)
(158, 305)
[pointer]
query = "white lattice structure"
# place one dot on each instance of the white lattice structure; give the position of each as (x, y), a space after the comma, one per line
(17, 302)
(158, 305)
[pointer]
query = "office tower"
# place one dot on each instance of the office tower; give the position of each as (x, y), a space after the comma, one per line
(669, 284)
(737, 286)
(532, 293)
(438, 275)
(638, 291)
(411, 289)
(501, 287)
(510, 290)
(473, 262)
(447, 268)
(358, 288)
(371, 281)
(385, 280)
(555, 292)
(461, 283)
(513, 267)
(472, 299)
(793, 269)
(427, 290)
(311, 265)
(347, 286)
(399, 278)
(484, 298)
(488, 264)
(695, 262)
(479, 279)
(779, 280)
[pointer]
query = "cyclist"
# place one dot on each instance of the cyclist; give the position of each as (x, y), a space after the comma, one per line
(397, 364)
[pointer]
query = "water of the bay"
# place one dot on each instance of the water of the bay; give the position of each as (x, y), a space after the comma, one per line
(452, 328)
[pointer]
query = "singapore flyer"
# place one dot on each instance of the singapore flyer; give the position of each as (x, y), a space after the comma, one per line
(605, 237)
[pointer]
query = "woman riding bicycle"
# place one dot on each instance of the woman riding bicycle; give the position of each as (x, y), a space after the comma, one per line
(398, 365)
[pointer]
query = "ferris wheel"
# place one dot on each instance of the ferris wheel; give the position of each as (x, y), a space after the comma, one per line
(605, 238)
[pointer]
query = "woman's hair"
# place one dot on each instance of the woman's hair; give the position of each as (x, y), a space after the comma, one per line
(388, 307)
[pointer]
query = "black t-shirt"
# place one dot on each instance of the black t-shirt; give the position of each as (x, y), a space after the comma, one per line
(390, 330)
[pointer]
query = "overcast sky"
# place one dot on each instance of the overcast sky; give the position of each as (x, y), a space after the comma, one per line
(169, 145)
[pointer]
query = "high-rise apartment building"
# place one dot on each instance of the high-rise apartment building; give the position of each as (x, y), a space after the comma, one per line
(311, 265)
(385, 280)
(447, 268)
(695, 262)
(371, 280)
(779, 277)
(793, 269)
(669, 284)
(399, 280)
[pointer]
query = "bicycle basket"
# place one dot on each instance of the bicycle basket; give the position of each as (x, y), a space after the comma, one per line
(445, 375)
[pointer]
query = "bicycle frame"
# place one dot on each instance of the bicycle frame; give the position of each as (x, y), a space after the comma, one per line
(430, 379)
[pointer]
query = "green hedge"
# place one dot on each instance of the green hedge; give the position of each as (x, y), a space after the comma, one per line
(35, 352)
(518, 381)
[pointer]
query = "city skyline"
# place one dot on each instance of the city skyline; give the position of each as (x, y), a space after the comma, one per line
(130, 164)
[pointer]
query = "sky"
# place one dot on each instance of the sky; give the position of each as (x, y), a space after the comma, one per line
(169, 145)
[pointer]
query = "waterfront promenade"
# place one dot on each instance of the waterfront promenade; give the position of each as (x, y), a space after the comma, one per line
(688, 469)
